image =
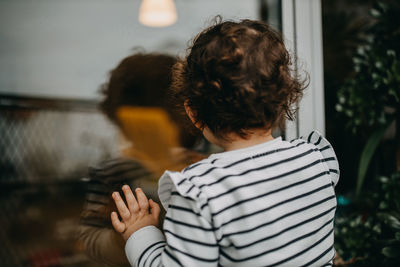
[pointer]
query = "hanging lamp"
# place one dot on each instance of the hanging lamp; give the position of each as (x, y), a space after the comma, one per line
(157, 13)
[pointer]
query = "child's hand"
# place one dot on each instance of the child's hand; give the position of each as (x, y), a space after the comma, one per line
(137, 215)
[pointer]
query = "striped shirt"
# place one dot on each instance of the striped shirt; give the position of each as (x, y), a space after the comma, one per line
(95, 232)
(272, 204)
(109, 176)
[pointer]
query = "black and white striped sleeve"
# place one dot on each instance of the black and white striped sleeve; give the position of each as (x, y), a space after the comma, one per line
(190, 238)
(326, 149)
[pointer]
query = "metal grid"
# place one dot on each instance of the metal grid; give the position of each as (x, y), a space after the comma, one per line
(45, 145)
(45, 148)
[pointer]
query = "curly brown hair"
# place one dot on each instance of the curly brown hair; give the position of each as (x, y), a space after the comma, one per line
(237, 76)
(143, 80)
(138, 80)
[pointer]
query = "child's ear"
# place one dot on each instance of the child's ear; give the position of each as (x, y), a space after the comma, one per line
(192, 116)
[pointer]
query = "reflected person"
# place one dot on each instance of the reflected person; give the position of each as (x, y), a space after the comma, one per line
(140, 80)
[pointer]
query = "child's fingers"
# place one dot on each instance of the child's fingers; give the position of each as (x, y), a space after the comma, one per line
(130, 199)
(122, 209)
(117, 224)
(154, 209)
(142, 200)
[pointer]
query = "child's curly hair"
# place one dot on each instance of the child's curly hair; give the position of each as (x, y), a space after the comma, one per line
(236, 77)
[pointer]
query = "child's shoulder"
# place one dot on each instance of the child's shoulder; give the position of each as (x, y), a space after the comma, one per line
(314, 139)
(323, 146)
(180, 185)
(195, 167)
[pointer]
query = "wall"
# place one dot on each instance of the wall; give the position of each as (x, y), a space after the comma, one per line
(65, 48)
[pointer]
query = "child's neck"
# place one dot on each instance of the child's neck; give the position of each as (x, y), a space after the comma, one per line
(235, 141)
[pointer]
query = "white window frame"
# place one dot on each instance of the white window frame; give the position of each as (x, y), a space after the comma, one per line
(302, 30)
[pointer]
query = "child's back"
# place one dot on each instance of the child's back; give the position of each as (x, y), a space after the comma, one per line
(268, 204)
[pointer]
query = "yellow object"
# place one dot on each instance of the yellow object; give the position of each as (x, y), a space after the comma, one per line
(154, 136)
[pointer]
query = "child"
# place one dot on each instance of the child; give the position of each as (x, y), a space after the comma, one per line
(261, 202)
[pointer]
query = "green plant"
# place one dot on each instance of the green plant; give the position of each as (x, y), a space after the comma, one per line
(370, 99)
(371, 96)
(373, 236)
(368, 233)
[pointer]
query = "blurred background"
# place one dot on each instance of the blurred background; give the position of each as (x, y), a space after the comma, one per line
(54, 55)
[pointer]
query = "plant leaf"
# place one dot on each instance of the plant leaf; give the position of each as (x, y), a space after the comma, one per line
(367, 154)
(390, 220)
(389, 252)
(397, 235)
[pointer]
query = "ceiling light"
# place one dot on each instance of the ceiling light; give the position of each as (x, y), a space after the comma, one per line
(157, 13)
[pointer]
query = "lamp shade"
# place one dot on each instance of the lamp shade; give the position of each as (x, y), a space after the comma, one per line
(157, 13)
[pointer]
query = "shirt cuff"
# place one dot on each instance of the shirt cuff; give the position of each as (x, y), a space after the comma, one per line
(140, 241)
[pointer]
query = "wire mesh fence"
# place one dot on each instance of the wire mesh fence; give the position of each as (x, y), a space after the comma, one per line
(46, 147)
